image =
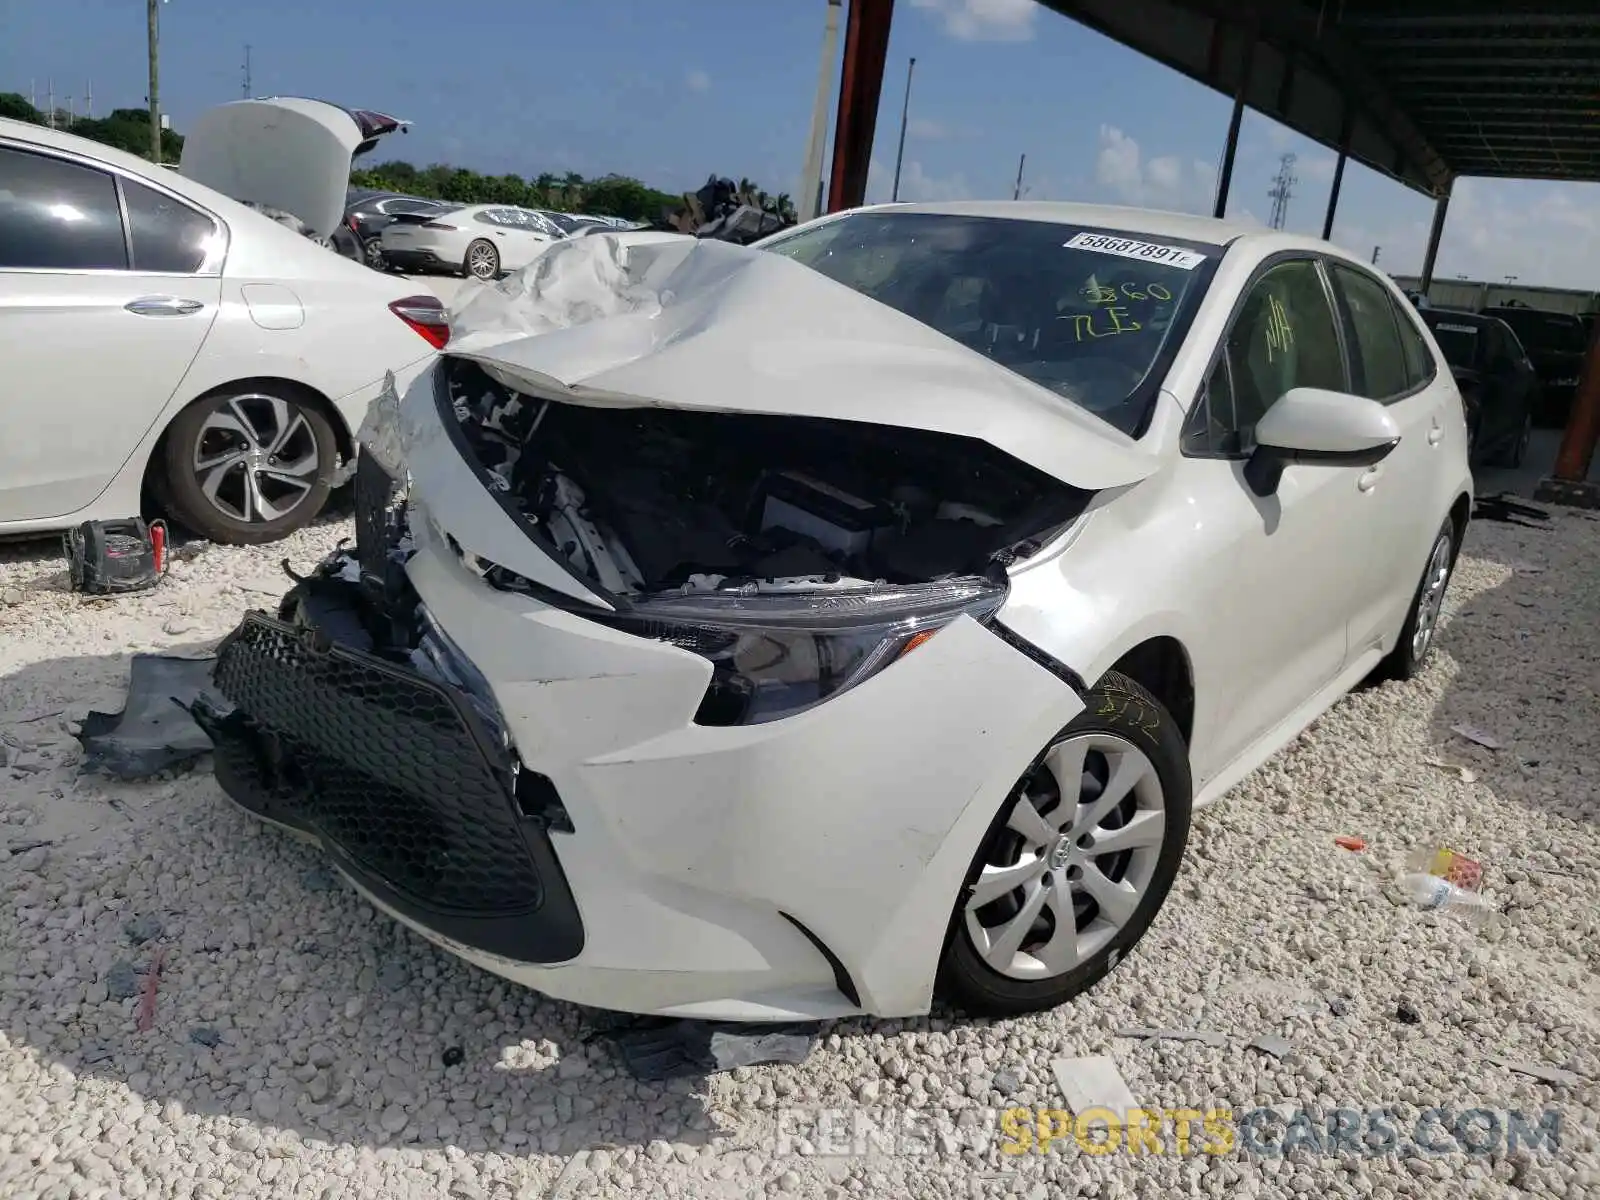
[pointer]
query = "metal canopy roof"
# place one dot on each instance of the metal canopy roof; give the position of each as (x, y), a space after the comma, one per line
(1435, 88)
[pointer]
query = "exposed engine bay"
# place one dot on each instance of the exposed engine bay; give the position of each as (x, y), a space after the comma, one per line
(646, 500)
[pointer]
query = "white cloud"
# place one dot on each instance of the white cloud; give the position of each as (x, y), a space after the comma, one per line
(1121, 172)
(698, 81)
(983, 20)
(928, 131)
(915, 183)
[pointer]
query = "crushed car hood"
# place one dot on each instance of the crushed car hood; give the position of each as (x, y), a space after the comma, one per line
(285, 153)
(629, 321)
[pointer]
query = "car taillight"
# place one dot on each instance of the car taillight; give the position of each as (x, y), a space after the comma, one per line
(438, 225)
(427, 316)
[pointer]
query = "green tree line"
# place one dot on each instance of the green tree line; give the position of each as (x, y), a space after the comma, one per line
(608, 196)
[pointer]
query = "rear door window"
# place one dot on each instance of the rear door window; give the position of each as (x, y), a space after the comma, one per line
(168, 235)
(57, 215)
(1378, 358)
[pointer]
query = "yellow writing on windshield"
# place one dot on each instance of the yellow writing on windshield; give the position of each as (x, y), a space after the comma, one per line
(1098, 293)
(1280, 334)
(1104, 322)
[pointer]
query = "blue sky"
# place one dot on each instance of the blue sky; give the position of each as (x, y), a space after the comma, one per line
(671, 92)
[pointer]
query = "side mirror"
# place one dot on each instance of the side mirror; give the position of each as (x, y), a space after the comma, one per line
(1313, 425)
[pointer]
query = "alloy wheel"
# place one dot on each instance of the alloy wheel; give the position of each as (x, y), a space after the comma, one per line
(1430, 600)
(256, 458)
(1073, 863)
(481, 261)
(372, 249)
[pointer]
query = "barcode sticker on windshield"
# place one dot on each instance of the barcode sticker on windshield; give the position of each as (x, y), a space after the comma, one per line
(1150, 252)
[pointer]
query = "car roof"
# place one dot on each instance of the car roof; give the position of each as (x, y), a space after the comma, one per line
(1149, 221)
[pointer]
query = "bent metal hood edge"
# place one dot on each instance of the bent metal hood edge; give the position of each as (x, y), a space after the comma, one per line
(716, 327)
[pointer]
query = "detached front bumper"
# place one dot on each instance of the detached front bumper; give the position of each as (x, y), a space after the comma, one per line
(406, 785)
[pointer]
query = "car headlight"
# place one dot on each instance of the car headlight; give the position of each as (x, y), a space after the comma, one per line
(775, 654)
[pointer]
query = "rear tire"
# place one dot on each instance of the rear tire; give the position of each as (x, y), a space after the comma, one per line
(248, 465)
(1108, 870)
(1517, 449)
(1419, 633)
(482, 261)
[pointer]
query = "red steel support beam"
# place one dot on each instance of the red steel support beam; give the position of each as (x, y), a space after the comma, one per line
(1583, 425)
(866, 48)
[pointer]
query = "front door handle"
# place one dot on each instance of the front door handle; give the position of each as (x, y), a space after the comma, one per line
(1435, 433)
(1368, 480)
(163, 306)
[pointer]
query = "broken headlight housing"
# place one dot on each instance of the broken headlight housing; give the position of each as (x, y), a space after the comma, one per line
(775, 654)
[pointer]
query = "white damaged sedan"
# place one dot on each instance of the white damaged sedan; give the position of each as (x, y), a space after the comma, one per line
(819, 627)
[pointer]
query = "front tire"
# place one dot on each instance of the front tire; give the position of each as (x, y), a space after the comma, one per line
(482, 261)
(245, 466)
(1417, 635)
(1077, 862)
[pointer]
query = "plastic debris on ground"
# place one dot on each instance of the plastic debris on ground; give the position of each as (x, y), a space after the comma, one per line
(1540, 1071)
(1449, 881)
(154, 731)
(1477, 736)
(1209, 1037)
(1466, 774)
(679, 1048)
(1347, 841)
(1092, 1082)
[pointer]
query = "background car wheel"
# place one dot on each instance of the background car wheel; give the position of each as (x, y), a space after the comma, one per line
(248, 465)
(483, 260)
(372, 252)
(1410, 653)
(1078, 861)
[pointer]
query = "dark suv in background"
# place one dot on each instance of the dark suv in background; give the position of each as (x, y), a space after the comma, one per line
(1556, 343)
(368, 213)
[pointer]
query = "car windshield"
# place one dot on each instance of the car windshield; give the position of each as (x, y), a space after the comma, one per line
(1458, 341)
(1092, 315)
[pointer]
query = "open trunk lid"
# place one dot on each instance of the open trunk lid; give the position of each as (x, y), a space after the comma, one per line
(286, 153)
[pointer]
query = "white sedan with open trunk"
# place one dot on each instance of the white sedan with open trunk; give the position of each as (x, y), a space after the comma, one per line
(826, 625)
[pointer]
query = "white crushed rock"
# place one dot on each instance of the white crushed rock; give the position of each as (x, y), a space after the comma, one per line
(299, 1043)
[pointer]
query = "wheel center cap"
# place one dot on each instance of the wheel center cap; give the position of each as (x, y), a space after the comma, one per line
(1061, 852)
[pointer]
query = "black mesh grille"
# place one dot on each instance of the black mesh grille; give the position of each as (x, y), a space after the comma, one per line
(383, 765)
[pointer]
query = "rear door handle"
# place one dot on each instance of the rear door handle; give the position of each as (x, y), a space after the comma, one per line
(1435, 431)
(163, 306)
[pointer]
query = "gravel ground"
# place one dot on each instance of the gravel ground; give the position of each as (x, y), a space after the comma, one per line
(303, 1046)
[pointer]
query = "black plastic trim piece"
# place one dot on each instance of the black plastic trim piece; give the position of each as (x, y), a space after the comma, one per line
(1046, 660)
(841, 977)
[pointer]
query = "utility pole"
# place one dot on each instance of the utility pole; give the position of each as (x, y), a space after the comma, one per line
(905, 112)
(50, 102)
(88, 100)
(153, 38)
(1375, 252)
(247, 70)
(1016, 192)
(811, 182)
(1282, 189)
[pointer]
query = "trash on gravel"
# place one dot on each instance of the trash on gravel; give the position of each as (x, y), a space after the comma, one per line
(1270, 1044)
(1347, 841)
(1092, 1082)
(1406, 1013)
(1473, 734)
(453, 1056)
(154, 732)
(677, 1048)
(1466, 774)
(1540, 1071)
(109, 558)
(147, 998)
(1209, 1037)
(1449, 881)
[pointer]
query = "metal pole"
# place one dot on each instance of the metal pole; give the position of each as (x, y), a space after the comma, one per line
(811, 183)
(1232, 146)
(1583, 422)
(154, 37)
(1016, 192)
(866, 43)
(905, 113)
(1440, 208)
(1345, 130)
